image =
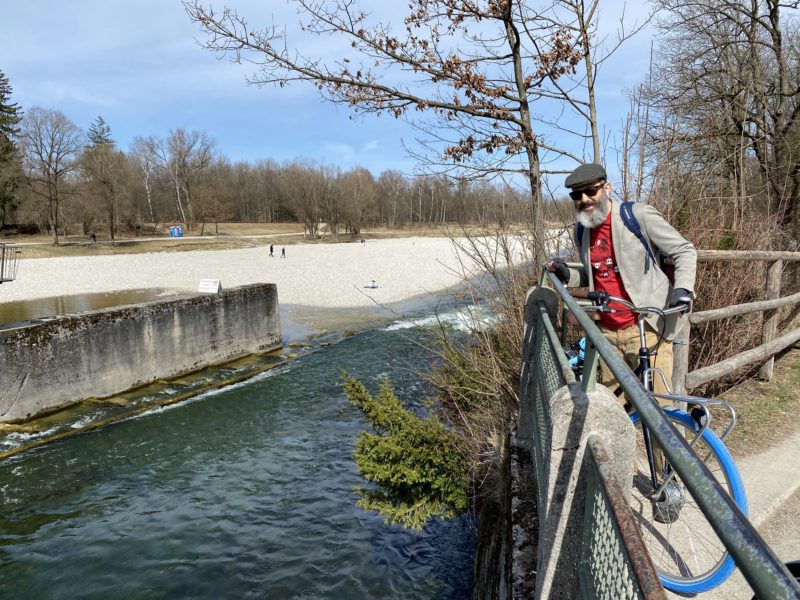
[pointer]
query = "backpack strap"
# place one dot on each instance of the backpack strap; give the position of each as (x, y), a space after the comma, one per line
(579, 236)
(626, 212)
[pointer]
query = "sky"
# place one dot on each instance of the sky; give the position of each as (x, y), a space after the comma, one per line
(137, 64)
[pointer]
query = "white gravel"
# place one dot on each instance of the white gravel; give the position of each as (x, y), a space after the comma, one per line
(318, 275)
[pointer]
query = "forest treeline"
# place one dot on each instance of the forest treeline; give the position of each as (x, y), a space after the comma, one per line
(58, 174)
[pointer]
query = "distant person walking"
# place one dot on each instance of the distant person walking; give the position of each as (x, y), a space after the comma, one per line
(271, 248)
(283, 252)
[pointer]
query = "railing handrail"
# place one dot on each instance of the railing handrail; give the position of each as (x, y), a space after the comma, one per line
(749, 255)
(766, 574)
(736, 310)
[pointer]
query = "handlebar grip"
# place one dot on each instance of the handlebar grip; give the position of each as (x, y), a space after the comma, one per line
(597, 297)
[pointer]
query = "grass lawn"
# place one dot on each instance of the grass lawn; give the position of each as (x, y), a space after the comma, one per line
(231, 236)
(766, 410)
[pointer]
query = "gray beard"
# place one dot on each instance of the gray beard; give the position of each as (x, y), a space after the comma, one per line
(590, 221)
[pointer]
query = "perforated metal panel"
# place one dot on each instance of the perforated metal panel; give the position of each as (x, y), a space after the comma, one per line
(606, 570)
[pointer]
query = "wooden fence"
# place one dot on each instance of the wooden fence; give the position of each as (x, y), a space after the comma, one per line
(770, 344)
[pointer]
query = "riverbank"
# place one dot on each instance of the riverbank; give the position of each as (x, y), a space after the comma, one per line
(320, 286)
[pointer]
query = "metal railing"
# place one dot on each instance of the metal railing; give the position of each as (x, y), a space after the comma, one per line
(614, 560)
(609, 555)
(768, 577)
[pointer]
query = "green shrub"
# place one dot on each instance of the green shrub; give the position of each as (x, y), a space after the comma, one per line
(418, 466)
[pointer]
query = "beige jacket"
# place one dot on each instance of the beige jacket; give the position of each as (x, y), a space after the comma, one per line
(649, 288)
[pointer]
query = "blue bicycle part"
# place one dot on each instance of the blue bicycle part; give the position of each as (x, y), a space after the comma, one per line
(688, 556)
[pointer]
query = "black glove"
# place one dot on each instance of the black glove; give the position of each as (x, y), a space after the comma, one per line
(679, 297)
(559, 268)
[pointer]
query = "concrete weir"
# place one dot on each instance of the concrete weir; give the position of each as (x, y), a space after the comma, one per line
(53, 362)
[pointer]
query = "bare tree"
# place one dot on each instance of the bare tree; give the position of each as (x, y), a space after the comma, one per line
(270, 191)
(183, 155)
(334, 199)
(357, 187)
(216, 203)
(50, 147)
(727, 100)
(391, 188)
(466, 73)
(105, 170)
(143, 154)
(306, 187)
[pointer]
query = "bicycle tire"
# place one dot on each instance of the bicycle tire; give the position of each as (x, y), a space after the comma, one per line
(688, 556)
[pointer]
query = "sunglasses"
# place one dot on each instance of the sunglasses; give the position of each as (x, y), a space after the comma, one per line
(590, 192)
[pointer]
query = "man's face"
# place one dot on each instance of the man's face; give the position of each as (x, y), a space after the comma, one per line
(591, 203)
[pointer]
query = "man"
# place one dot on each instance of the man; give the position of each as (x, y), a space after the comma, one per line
(615, 261)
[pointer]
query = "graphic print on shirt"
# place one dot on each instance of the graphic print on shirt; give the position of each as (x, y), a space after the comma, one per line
(603, 259)
(606, 275)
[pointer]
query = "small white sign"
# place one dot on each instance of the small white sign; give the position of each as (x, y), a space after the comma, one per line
(211, 286)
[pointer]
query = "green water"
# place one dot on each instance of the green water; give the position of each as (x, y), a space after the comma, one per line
(242, 493)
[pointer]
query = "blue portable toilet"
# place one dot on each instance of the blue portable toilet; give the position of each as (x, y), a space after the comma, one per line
(179, 230)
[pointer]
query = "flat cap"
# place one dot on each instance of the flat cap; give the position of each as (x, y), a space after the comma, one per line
(586, 173)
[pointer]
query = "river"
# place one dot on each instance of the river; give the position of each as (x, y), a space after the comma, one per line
(244, 492)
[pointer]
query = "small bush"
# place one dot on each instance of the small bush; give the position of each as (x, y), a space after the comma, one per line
(418, 466)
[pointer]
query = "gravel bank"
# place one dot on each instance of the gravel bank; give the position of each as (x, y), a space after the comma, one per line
(311, 279)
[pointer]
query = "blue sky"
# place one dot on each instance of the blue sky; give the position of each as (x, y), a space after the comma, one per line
(137, 64)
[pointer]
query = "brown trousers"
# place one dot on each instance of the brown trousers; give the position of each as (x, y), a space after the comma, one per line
(627, 343)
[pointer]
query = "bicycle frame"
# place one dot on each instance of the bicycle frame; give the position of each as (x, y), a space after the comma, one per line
(646, 373)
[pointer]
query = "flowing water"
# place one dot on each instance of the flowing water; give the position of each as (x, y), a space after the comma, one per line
(245, 492)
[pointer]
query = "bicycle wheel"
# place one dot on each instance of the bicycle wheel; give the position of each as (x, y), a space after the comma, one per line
(688, 555)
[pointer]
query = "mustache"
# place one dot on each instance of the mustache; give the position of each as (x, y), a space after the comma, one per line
(583, 205)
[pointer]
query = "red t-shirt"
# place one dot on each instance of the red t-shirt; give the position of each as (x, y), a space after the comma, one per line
(605, 273)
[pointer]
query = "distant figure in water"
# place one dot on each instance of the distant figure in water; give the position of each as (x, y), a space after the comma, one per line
(372, 285)
(283, 252)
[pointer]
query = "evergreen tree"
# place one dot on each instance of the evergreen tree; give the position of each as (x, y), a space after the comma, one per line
(416, 464)
(100, 133)
(10, 116)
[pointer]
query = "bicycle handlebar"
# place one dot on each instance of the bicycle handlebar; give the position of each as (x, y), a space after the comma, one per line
(601, 301)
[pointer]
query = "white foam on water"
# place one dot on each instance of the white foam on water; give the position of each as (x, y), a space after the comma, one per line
(467, 319)
(19, 438)
(83, 422)
(216, 391)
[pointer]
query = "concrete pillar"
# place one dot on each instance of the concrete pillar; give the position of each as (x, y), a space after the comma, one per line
(575, 415)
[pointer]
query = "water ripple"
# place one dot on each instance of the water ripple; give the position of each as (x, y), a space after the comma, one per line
(246, 492)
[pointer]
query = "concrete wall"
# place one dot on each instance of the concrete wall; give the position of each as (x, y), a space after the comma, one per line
(574, 416)
(57, 361)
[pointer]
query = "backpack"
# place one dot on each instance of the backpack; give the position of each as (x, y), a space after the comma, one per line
(626, 212)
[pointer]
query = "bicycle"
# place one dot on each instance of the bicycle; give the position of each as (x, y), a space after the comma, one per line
(688, 556)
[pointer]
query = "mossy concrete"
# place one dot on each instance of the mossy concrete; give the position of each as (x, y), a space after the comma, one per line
(53, 362)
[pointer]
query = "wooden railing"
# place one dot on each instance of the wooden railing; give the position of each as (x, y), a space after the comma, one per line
(770, 344)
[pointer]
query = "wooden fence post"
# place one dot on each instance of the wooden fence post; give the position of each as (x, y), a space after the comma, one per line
(770, 323)
(680, 353)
